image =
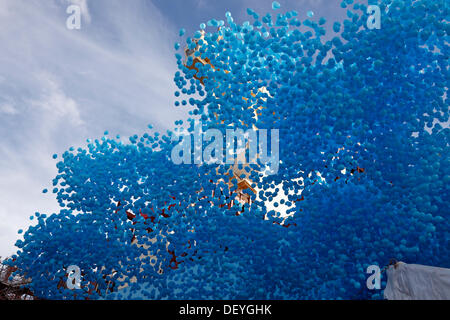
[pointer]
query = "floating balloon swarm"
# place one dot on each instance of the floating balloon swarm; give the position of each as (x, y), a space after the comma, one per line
(364, 169)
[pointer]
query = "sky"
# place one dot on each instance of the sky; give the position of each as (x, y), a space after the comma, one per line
(59, 87)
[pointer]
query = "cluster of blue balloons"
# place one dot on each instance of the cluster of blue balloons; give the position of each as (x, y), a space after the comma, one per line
(364, 172)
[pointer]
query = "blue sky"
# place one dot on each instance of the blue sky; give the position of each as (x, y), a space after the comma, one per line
(59, 87)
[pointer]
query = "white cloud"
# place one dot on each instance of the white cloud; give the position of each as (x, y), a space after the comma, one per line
(8, 109)
(64, 86)
(201, 3)
(55, 101)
